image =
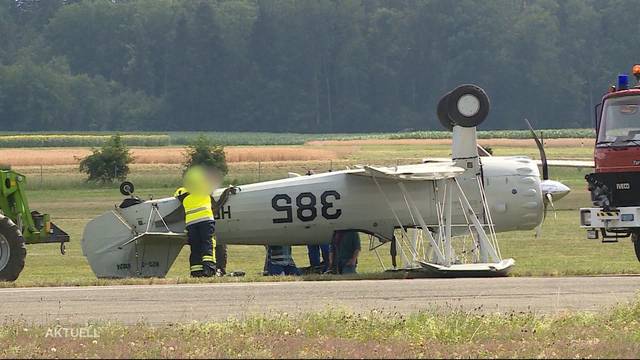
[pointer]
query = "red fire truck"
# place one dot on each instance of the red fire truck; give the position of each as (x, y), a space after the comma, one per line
(615, 184)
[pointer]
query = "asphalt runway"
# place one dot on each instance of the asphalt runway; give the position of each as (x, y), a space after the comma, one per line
(156, 304)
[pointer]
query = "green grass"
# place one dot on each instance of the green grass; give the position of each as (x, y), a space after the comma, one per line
(562, 248)
(339, 334)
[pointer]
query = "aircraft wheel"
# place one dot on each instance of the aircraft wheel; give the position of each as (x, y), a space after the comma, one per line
(443, 115)
(636, 244)
(12, 250)
(467, 105)
(126, 188)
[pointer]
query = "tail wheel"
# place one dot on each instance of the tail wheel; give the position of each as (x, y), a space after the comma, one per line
(467, 106)
(636, 244)
(12, 250)
(443, 115)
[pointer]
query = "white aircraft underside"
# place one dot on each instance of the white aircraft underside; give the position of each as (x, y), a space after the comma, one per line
(280, 212)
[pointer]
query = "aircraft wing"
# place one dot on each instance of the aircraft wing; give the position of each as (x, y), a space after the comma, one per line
(436, 160)
(579, 164)
(419, 172)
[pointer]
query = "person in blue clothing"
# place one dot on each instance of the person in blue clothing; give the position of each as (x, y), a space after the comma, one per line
(314, 252)
(280, 261)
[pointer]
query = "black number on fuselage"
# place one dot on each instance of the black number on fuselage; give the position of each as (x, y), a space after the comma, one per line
(326, 205)
(306, 203)
(306, 206)
(286, 208)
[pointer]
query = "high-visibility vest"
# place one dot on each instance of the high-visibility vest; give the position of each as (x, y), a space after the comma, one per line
(197, 208)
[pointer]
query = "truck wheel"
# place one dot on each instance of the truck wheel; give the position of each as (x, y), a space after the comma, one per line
(636, 244)
(12, 250)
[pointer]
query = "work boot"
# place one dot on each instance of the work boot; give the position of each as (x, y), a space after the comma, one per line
(198, 274)
(209, 269)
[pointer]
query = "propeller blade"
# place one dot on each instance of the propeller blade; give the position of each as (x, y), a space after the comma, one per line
(538, 231)
(543, 154)
(550, 201)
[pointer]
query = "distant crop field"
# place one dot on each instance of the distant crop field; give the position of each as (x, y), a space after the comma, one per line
(18, 140)
(243, 138)
(73, 140)
(168, 155)
(491, 142)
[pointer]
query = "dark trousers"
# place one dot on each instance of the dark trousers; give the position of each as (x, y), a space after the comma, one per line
(314, 252)
(343, 268)
(275, 269)
(201, 243)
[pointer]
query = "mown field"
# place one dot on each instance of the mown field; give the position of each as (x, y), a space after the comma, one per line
(60, 190)
(614, 333)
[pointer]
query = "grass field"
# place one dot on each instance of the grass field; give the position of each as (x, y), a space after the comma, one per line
(337, 334)
(56, 168)
(562, 249)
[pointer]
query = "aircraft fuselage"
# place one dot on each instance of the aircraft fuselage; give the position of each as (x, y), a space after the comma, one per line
(308, 209)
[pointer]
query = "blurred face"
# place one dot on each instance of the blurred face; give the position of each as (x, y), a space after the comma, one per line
(215, 178)
(197, 181)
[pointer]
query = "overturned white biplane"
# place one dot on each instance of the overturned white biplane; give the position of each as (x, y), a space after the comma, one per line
(440, 216)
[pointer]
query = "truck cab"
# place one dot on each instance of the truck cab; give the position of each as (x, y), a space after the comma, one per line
(618, 133)
(615, 183)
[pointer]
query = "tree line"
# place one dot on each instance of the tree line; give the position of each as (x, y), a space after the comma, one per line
(304, 65)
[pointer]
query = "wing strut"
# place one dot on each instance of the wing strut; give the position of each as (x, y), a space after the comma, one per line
(444, 255)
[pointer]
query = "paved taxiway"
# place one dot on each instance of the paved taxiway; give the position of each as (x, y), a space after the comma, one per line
(181, 303)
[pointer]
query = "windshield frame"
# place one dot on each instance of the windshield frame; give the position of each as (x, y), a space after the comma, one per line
(611, 120)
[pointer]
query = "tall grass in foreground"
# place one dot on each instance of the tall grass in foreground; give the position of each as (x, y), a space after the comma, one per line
(448, 333)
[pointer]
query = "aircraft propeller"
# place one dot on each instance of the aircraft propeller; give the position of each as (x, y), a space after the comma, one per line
(551, 189)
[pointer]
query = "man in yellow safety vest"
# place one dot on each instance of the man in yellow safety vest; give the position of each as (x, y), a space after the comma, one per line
(199, 221)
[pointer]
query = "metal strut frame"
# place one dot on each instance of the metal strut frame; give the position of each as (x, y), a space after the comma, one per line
(422, 247)
(137, 235)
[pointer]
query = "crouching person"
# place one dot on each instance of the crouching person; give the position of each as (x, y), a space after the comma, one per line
(280, 261)
(345, 249)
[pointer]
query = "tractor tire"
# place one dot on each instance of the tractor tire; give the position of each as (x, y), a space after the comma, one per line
(636, 244)
(12, 250)
(467, 105)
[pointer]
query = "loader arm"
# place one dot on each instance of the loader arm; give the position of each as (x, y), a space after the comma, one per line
(36, 228)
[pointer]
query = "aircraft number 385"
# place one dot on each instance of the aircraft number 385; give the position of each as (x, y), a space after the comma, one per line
(306, 206)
